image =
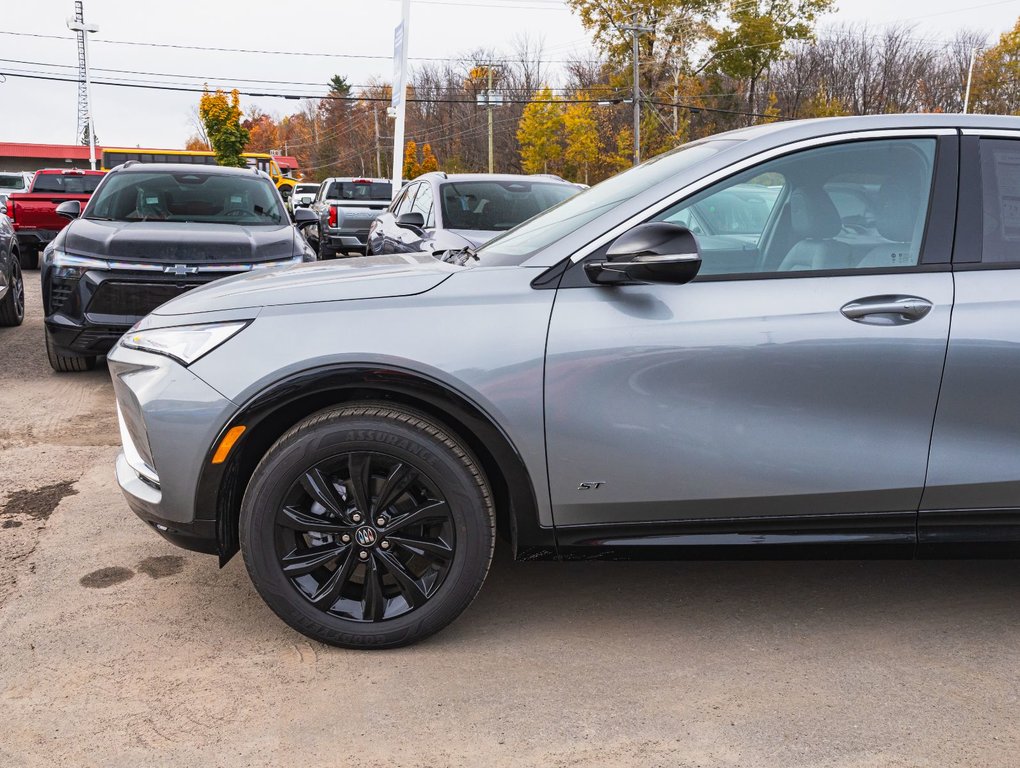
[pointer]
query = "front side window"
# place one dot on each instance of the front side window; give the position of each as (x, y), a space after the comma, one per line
(860, 205)
(423, 204)
(187, 197)
(406, 199)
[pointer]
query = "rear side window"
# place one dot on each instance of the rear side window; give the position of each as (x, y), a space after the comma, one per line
(68, 184)
(1000, 174)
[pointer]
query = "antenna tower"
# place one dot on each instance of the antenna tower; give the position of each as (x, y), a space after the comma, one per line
(83, 93)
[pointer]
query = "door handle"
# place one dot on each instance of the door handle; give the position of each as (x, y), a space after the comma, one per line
(887, 310)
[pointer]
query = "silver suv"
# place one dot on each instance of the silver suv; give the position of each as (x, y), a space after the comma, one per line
(599, 382)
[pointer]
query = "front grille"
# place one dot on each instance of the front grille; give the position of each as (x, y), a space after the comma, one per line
(131, 298)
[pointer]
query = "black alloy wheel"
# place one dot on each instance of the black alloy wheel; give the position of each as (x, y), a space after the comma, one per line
(364, 536)
(12, 308)
(368, 526)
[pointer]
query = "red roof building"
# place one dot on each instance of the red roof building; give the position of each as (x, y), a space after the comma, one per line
(15, 156)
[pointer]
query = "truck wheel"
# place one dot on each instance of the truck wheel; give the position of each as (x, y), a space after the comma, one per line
(68, 362)
(325, 252)
(367, 526)
(29, 258)
(12, 308)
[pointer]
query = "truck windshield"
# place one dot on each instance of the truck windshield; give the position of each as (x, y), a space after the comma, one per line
(67, 184)
(187, 197)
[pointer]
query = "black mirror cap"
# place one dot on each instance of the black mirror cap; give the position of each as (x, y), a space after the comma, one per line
(412, 219)
(69, 209)
(656, 252)
(304, 216)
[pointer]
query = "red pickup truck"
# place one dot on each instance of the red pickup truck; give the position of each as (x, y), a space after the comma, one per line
(34, 213)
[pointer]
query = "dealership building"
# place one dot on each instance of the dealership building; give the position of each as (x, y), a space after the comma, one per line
(31, 157)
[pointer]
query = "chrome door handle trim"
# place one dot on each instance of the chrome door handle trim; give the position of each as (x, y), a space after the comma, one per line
(887, 310)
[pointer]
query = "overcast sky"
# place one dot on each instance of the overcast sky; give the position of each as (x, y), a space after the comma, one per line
(45, 111)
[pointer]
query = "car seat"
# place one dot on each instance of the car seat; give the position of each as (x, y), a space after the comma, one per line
(895, 219)
(815, 223)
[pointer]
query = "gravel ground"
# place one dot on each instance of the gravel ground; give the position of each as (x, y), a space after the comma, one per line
(120, 650)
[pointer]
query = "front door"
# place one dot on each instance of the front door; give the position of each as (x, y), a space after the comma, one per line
(797, 375)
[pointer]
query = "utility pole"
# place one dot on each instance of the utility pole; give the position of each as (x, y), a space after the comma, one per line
(635, 30)
(488, 104)
(77, 24)
(378, 153)
(970, 76)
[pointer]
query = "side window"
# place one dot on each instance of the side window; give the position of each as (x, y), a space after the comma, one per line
(860, 205)
(423, 204)
(1000, 182)
(406, 200)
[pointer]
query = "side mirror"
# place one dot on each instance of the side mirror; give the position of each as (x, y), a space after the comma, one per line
(412, 220)
(69, 209)
(304, 216)
(657, 252)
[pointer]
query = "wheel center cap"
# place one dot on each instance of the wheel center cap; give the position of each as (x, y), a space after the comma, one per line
(365, 536)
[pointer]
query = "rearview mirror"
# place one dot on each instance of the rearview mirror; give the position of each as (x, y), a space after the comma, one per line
(412, 220)
(656, 252)
(69, 209)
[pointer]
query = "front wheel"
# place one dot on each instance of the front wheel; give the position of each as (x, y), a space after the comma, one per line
(64, 361)
(367, 526)
(12, 306)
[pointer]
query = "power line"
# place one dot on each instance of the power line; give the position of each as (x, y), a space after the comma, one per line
(381, 99)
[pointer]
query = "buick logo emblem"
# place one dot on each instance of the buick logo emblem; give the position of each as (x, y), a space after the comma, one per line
(365, 536)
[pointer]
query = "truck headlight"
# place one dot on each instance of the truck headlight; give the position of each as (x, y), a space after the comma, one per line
(184, 343)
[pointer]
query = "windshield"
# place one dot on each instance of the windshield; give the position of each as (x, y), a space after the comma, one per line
(8, 181)
(67, 184)
(187, 197)
(360, 190)
(528, 239)
(497, 205)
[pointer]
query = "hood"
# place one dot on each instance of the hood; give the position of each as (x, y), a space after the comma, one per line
(372, 277)
(179, 242)
(476, 237)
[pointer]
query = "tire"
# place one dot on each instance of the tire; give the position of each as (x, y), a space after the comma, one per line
(12, 308)
(325, 252)
(68, 362)
(29, 258)
(304, 499)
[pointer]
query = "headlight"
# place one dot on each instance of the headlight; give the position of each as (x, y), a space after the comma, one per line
(184, 343)
(71, 266)
(233, 268)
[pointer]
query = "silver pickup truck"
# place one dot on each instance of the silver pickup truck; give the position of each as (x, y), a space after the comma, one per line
(346, 208)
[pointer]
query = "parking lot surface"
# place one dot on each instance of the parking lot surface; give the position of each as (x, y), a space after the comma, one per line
(121, 650)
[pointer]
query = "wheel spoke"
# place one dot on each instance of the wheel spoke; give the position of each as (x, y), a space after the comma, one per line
(374, 604)
(292, 517)
(407, 584)
(302, 561)
(398, 481)
(330, 590)
(359, 486)
(435, 511)
(320, 487)
(436, 547)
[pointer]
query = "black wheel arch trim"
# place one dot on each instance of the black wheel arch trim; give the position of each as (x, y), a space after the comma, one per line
(276, 408)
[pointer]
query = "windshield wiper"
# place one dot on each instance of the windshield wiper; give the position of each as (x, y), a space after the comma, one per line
(460, 256)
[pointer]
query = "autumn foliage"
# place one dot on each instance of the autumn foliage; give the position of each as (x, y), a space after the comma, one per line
(221, 116)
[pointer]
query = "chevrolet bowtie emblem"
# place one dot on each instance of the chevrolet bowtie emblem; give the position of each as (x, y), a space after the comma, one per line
(180, 270)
